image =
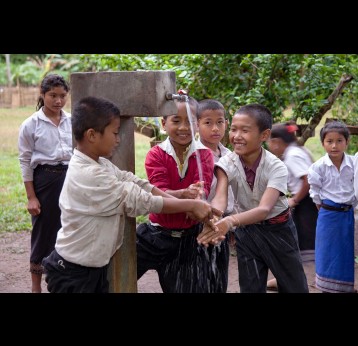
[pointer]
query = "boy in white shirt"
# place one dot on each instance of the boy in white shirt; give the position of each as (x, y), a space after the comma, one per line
(266, 236)
(212, 124)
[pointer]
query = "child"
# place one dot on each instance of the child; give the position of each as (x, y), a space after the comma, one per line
(45, 148)
(167, 243)
(283, 143)
(266, 237)
(95, 197)
(212, 124)
(331, 188)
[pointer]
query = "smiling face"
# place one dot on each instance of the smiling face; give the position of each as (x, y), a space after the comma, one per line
(178, 127)
(245, 136)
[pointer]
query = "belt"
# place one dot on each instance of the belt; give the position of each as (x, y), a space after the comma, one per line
(280, 218)
(330, 207)
(53, 168)
(175, 233)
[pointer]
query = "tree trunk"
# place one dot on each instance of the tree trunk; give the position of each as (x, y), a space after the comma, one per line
(307, 133)
(8, 70)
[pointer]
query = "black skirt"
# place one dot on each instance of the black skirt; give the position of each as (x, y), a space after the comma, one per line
(48, 182)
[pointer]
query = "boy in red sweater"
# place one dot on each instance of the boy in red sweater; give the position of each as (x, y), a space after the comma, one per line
(167, 243)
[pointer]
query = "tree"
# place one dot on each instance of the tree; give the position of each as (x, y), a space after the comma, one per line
(309, 84)
(8, 70)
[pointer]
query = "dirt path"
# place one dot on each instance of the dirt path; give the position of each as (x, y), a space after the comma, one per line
(15, 276)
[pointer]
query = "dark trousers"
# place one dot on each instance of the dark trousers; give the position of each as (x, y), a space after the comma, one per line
(261, 247)
(66, 277)
(48, 185)
(305, 218)
(183, 266)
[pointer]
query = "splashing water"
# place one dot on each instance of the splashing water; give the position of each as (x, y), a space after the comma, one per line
(192, 122)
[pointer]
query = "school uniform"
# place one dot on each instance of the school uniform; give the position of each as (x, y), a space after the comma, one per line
(230, 196)
(95, 199)
(44, 152)
(334, 191)
(168, 242)
(270, 244)
(355, 164)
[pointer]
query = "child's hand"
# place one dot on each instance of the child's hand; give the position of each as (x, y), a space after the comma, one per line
(194, 191)
(214, 235)
(201, 211)
(34, 206)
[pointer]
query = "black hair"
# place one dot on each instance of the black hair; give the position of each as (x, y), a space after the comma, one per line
(49, 82)
(209, 104)
(92, 113)
(334, 126)
(286, 132)
(260, 113)
(192, 103)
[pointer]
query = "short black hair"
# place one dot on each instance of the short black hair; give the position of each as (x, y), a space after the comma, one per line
(209, 104)
(92, 113)
(260, 113)
(334, 126)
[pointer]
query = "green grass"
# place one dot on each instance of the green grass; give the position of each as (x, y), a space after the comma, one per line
(13, 212)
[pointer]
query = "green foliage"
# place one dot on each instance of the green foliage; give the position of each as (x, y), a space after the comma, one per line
(30, 69)
(279, 81)
(302, 82)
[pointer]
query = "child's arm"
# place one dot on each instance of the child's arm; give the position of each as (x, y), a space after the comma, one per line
(159, 192)
(301, 194)
(198, 209)
(193, 191)
(33, 204)
(221, 192)
(268, 201)
(315, 182)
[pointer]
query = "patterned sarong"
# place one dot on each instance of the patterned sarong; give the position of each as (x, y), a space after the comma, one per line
(335, 249)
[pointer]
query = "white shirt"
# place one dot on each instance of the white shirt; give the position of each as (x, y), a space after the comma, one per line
(42, 142)
(297, 161)
(271, 172)
(167, 146)
(95, 198)
(326, 182)
(230, 196)
(355, 163)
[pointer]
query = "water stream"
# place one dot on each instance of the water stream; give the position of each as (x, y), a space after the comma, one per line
(192, 121)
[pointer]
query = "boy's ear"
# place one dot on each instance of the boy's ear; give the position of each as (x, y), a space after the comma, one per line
(265, 135)
(90, 134)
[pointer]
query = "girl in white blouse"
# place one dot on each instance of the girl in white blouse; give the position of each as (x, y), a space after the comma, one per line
(331, 188)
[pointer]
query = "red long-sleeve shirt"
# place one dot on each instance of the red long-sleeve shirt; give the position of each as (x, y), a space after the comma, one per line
(162, 171)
